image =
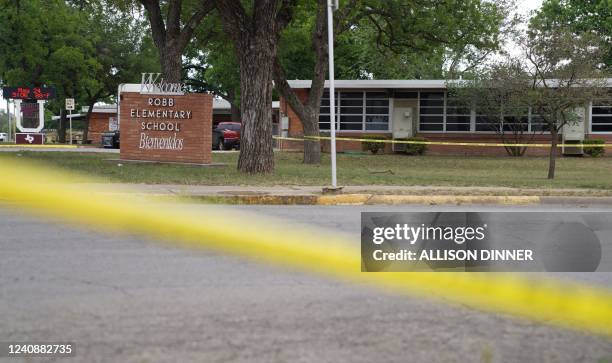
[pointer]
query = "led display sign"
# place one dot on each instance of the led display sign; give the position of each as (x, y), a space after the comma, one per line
(28, 93)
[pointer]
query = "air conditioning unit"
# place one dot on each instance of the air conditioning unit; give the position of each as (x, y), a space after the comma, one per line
(574, 134)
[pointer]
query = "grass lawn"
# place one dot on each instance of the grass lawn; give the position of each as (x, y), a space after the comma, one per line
(368, 169)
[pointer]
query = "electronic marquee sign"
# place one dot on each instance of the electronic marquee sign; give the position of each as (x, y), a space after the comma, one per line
(28, 93)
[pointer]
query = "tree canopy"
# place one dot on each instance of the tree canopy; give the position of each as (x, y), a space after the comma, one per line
(579, 16)
(84, 49)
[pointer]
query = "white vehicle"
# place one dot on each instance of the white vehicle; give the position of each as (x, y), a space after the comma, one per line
(3, 136)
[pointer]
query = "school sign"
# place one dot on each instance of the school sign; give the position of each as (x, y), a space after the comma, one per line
(160, 122)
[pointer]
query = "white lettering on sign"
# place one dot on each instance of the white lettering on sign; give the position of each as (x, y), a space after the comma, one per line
(167, 114)
(164, 102)
(152, 83)
(160, 143)
(160, 126)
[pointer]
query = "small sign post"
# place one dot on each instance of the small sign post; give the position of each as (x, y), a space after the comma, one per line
(70, 108)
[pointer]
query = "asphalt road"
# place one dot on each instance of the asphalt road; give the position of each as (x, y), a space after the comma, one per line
(124, 299)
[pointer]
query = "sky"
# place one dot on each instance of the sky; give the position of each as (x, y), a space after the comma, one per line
(523, 7)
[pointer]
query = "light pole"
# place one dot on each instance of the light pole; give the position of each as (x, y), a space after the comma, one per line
(8, 114)
(331, 6)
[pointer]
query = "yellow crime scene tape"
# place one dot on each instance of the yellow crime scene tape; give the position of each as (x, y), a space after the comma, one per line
(44, 146)
(43, 191)
(448, 143)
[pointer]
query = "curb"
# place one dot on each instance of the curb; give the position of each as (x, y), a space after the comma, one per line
(364, 199)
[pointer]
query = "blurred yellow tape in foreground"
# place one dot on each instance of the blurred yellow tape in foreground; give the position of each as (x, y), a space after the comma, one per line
(52, 194)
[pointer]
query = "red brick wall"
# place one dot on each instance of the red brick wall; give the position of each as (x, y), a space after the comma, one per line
(488, 150)
(195, 132)
(98, 124)
(295, 126)
(342, 145)
(478, 150)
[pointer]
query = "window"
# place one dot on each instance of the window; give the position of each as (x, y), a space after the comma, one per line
(538, 124)
(357, 111)
(324, 112)
(458, 115)
(488, 123)
(431, 111)
(516, 120)
(601, 116)
(377, 111)
(351, 111)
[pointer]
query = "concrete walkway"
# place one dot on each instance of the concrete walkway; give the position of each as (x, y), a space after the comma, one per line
(212, 190)
(370, 194)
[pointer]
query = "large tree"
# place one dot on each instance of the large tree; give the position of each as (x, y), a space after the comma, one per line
(500, 97)
(420, 38)
(122, 50)
(45, 50)
(564, 78)
(84, 50)
(579, 16)
(255, 31)
(173, 29)
(556, 79)
(210, 64)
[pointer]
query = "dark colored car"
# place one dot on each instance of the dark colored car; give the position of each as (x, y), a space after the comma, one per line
(217, 138)
(226, 136)
(110, 140)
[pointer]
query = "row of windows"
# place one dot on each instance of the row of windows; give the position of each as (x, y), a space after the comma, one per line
(370, 111)
(458, 118)
(356, 111)
(601, 116)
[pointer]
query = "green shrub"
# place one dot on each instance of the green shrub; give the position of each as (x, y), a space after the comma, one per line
(594, 151)
(372, 146)
(412, 149)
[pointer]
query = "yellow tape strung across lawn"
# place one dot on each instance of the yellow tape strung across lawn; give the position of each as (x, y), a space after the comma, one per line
(449, 143)
(50, 193)
(44, 146)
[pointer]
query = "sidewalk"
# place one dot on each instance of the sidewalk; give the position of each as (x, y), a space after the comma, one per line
(372, 194)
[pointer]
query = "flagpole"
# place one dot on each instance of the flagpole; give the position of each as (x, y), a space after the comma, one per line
(331, 6)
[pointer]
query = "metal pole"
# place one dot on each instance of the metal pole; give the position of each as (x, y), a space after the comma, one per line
(8, 114)
(70, 117)
(332, 88)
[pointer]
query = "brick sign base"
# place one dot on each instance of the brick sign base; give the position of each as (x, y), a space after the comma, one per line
(167, 128)
(29, 138)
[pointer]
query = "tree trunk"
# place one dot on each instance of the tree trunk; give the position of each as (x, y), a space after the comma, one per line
(171, 64)
(312, 148)
(255, 35)
(86, 125)
(61, 130)
(308, 111)
(256, 149)
(169, 37)
(553, 153)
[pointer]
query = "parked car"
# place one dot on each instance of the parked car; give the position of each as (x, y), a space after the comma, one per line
(226, 136)
(110, 140)
(3, 137)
